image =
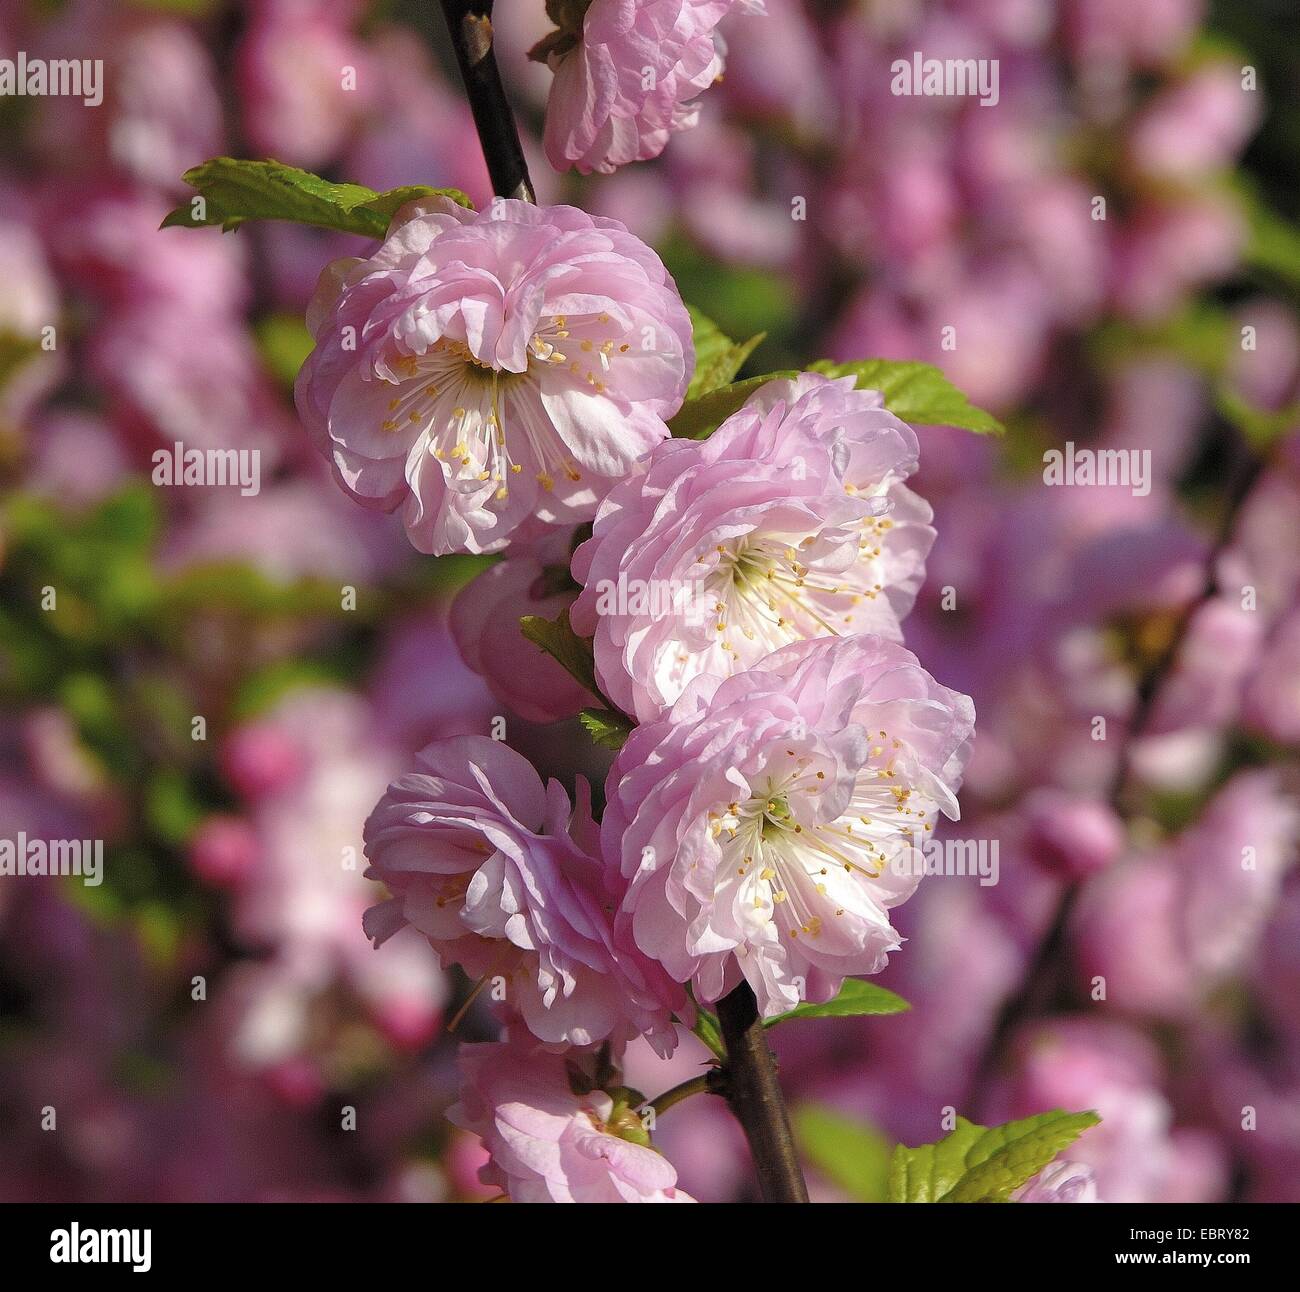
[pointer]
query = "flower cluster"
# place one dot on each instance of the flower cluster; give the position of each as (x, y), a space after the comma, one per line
(503, 377)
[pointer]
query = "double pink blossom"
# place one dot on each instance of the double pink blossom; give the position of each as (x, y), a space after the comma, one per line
(765, 826)
(484, 368)
(791, 521)
(499, 873)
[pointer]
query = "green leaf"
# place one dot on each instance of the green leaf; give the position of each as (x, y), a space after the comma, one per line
(855, 997)
(559, 641)
(605, 727)
(15, 351)
(916, 392)
(979, 1164)
(709, 1030)
(1261, 427)
(850, 1154)
(1273, 242)
(697, 419)
(717, 357)
(233, 191)
(284, 343)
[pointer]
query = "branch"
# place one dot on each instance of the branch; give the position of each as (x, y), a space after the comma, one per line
(470, 25)
(1040, 981)
(755, 1097)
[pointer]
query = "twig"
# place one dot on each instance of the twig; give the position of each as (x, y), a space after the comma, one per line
(470, 25)
(755, 1097)
(1039, 984)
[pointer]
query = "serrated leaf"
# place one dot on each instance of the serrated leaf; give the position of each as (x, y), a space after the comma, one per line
(717, 357)
(605, 727)
(559, 641)
(850, 1154)
(1007, 1156)
(983, 1164)
(929, 1171)
(234, 191)
(854, 998)
(916, 392)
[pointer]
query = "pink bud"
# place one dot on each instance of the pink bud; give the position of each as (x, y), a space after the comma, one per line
(1072, 836)
(224, 851)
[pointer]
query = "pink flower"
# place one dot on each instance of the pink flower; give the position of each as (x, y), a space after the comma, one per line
(552, 1134)
(791, 521)
(292, 68)
(625, 74)
(485, 623)
(484, 368)
(755, 824)
(1061, 1181)
(497, 871)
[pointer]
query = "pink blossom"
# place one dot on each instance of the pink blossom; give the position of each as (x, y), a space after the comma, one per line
(1195, 128)
(224, 850)
(626, 72)
(791, 521)
(484, 368)
(1072, 835)
(291, 67)
(1061, 1181)
(485, 622)
(1272, 700)
(1135, 1153)
(552, 1135)
(305, 898)
(495, 870)
(755, 824)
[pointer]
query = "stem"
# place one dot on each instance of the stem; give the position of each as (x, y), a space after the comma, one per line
(755, 1097)
(1039, 985)
(470, 25)
(710, 1082)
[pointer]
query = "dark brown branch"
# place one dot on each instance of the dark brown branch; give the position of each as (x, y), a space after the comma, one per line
(470, 25)
(755, 1096)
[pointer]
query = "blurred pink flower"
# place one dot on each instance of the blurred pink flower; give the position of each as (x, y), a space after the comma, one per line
(1196, 127)
(161, 111)
(1272, 700)
(292, 68)
(758, 822)
(481, 369)
(790, 521)
(1135, 1153)
(224, 850)
(551, 1136)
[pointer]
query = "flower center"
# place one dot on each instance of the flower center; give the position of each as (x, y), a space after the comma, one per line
(800, 871)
